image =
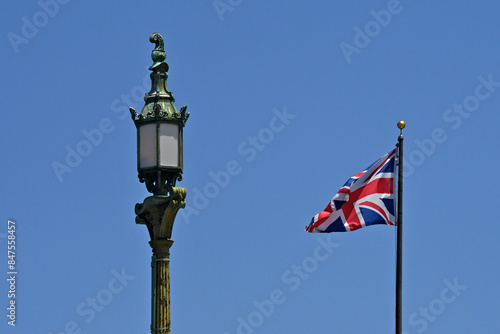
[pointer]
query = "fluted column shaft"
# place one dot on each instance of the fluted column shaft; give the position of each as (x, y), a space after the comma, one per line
(160, 294)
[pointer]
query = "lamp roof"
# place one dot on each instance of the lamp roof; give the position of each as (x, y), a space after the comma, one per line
(159, 101)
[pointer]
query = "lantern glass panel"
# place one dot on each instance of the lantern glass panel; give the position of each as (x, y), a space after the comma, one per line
(169, 145)
(147, 146)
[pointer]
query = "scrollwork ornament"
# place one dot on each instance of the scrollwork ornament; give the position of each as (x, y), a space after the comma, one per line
(158, 54)
(157, 110)
(150, 185)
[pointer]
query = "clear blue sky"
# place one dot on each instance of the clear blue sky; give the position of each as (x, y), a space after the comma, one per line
(321, 86)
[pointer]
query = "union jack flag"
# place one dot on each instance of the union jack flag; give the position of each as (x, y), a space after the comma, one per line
(366, 199)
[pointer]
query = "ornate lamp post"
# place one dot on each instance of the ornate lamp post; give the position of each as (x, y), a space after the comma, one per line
(159, 163)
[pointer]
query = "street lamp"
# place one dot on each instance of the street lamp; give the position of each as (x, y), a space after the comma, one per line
(159, 129)
(159, 164)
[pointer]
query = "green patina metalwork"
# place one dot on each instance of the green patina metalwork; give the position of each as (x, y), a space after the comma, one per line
(158, 212)
(159, 104)
(159, 107)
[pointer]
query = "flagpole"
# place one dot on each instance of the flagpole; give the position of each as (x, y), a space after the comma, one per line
(399, 223)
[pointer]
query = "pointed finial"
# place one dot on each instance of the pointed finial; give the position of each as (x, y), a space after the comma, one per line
(133, 114)
(158, 54)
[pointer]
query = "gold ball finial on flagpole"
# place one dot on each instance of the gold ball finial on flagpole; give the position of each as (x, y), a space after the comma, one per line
(401, 125)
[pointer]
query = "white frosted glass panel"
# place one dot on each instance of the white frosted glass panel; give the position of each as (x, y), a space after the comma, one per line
(169, 144)
(147, 146)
